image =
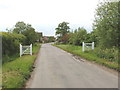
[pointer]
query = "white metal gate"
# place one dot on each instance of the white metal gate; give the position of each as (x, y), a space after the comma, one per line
(25, 50)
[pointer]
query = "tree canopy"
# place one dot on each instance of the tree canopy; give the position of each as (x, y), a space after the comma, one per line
(106, 24)
(78, 36)
(19, 27)
(27, 30)
(62, 29)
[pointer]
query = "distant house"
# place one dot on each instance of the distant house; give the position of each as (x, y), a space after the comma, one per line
(47, 39)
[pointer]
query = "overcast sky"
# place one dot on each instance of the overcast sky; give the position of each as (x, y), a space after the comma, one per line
(45, 15)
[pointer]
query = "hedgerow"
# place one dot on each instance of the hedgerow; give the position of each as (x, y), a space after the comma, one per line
(10, 42)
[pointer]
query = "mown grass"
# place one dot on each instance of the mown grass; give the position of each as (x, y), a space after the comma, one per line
(91, 56)
(16, 72)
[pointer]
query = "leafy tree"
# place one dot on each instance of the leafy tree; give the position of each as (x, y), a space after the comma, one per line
(65, 38)
(51, 38)
(27, 30)
(71, 37)
(20, 27)
(31, 35)
(62, 29)
(9, 30)
(92, 37)
(39, 37)
(81, 36)
(78, 36)
(106, 24)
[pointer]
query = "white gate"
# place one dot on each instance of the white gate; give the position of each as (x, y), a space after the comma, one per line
(25, 50)
(87, 46)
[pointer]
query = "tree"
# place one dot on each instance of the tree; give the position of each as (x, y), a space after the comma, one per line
(31, 35)
(65, 38)
(39, 36)
(20, 27)
(78, 36)
(62, 29)
(106, 24)
(81, 36)
(27, 30)
(92, 37)
(51, 38)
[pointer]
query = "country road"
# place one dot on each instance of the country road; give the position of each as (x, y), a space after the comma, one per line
(56, 68)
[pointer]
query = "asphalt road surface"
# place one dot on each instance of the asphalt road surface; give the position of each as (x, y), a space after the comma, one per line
(56, 68)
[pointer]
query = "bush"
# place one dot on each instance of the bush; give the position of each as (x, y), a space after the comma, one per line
(65, 39)
(10, 43)
(109, 54)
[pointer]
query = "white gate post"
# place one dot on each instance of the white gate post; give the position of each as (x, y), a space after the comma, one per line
(83, 44)
(31, 49)
(92, 45)
(20, 50)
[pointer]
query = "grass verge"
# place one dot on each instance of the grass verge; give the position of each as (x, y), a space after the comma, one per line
(91, 56)
(16, 72)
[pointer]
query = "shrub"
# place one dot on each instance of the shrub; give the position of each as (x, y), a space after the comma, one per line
(110, 54)
(10, 43)
(65, 39)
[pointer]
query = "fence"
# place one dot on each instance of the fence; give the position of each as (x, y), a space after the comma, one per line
(87, 46)
(25, 50)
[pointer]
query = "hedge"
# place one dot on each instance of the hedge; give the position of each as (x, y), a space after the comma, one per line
(10, 42)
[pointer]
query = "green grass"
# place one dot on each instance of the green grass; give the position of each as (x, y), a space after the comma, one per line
(91, 56)
(16, 72)
(9, 58)
(36, 48)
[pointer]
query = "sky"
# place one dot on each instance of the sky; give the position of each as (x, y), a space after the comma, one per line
(45, 15)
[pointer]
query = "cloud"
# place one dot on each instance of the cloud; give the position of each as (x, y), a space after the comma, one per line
(45, 15)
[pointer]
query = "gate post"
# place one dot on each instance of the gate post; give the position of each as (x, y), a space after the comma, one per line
(20, 50)
(83, 44)
(92, 45)
(31, 49)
